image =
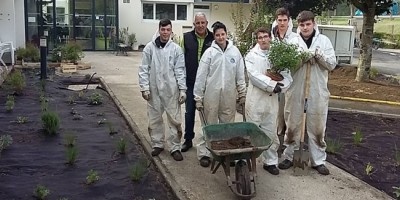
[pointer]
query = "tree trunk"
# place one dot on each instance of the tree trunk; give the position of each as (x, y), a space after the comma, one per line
(364, 63)
(351, 11)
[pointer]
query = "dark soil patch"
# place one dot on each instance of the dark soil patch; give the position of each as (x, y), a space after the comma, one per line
(35, 158)
(233, 143)
(380, 136)
(342, 83)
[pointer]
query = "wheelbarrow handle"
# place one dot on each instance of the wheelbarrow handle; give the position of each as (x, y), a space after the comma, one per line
(244, 112)
(203, 117)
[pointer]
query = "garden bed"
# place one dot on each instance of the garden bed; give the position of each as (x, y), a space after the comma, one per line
(96, 133)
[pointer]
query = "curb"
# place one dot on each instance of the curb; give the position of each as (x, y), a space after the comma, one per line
(169, 179)
(393, 103)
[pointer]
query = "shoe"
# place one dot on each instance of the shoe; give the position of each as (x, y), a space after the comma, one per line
(205, 161)
(272, 169)
(286, 164)
(177, 155)
(186, 146)
(321, 169)
(156, 151)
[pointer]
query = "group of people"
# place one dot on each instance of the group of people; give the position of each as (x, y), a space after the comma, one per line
(207, 72)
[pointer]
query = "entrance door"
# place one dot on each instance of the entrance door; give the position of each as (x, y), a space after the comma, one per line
(83, 23)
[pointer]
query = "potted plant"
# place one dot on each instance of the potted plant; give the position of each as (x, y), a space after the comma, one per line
(283, 56)
(132, 39)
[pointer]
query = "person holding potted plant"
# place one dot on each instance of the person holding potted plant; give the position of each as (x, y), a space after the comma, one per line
(262, 102)
(219, 81)
(322, 61)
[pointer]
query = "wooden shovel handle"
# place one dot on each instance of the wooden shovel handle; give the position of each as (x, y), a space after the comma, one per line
(306, 94)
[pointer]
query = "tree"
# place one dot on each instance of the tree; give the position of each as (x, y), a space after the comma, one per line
(370, 8)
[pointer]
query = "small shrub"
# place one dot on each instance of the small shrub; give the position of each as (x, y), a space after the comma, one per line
(72, 52)
(31, 53)
(20, 53)
(357, 137)
(10, 103)
(51, 122)
(5, 141)
(368, 169)
(396, 191)
(333, 145)
(121, 145)
(111, 128)
(17, 81)
(81, 94)
(138, 170)
(70, 140)
(72, 153)
(92, 177)
(95, 99)
(56, 54)
(41, 192)
(22, 120)
(373, 73)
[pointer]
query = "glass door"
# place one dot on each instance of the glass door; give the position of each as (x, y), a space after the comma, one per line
(111, 24)
(83, 24)
(39, 19)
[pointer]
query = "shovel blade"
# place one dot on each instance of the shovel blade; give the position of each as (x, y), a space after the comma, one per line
(301, 160)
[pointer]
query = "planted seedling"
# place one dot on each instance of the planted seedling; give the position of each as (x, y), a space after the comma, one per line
(70, 140)
(138, 170)
(17, 81)
(111, 129)
(333, 145)
(92, 177)
(96, 99)
(71, 99)
(357, 136)
(102, 121)
(72, 153)
(396, 191)
(43, 84)
(41, 192)
(368, 169)
(397, 155)
(10, 103)
(81, 94)
(22, 120)
(51, 122)
(5, 141)
(121, 145)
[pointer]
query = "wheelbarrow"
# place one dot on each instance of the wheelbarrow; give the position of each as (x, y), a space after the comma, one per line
(244, 185)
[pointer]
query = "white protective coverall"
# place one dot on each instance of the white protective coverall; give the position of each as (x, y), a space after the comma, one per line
(163, 73)
(317, 110)
(288, 36)
(261, 103)
(219, 80)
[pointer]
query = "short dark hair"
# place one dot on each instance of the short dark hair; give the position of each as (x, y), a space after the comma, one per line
(263, 30)
(218, 25)
(164, 22)
(282, 11)
(305, 16)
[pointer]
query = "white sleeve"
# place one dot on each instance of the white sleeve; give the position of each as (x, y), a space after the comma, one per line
(328, 60)
(144, 70)
(202, 74)
(180, 69)
(256, 77)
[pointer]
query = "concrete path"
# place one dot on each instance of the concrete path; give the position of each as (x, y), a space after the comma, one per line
(191, 181)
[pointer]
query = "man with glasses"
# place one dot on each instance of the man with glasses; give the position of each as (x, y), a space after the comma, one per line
(262, 97)
(194, 44)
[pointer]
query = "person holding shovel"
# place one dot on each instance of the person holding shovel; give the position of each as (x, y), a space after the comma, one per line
(219, 81)
(262, 103)
(322, 60)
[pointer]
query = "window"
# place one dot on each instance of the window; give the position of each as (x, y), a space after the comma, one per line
(158, 11)
(127, 1)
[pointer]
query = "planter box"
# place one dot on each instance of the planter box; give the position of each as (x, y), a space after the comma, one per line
(68, 68)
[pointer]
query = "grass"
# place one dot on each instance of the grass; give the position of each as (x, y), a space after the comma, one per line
(17, 81)
(70, 139)
(369, 169)
(10, 103)
(5, 141)
(72, 153)
(333, 145)
(357, 136)
(138, 170)
(51, 122)
(41, 192)
(92, 177)
(121, 145)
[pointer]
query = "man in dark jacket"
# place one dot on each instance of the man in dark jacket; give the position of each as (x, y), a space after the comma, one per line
(194, 44)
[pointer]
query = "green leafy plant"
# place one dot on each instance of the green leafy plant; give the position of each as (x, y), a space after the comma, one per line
(70, 139)
(10, 103)
(72, 52)
(41, 192)
(333, 145)
(285, 56)
(95, 99)
(5, 141)
(72, 153)
(138, 170)
(20, 53)
(81, 94)
(22, 120)
(17, 81)
(396, 191)
(56, 55)
(368, 169)
(357, 136)
(92, 177)
(121, 145)
(31, 53)
(397, 155)
(51, 122)
(132, 39)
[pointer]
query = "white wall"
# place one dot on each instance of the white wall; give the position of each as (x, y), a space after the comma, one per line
(19, 24)
(223, 12)
(7, 21)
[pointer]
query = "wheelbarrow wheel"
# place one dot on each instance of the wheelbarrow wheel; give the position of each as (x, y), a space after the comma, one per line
(243, 183)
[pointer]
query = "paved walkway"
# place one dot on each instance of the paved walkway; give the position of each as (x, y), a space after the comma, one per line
(191, 181)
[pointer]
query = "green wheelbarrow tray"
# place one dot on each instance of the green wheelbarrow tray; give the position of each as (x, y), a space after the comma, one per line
(245, 167)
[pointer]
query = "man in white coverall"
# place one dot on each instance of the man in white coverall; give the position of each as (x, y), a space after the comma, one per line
(219, 80)
(322, 61)
(162, 80)
(262, 96)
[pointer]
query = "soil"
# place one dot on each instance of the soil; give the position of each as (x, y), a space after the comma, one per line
(233, 143)
(380, 137)
(36, 158)
(342, 83)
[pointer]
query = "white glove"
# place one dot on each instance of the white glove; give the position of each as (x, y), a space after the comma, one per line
(146, 95)
(242, 100)
(319, 55)
(182, 96)
(199, 105)
(311, 59)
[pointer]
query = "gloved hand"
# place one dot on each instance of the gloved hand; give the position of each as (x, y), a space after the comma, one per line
(146, 95)
(278, 88)
(319, 54)
(182, 96)
(310, 58)
(242, 100)
(199, 105)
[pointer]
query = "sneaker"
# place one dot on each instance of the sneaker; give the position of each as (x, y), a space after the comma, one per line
(286, 164)
(186, 146)
(272, 169)
(177, 155)
(205, 161)
(321, 169)
(156, 151)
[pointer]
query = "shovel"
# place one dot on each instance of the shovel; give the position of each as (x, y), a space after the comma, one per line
(301, 157)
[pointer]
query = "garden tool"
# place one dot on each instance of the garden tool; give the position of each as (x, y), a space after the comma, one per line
(301, 157)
